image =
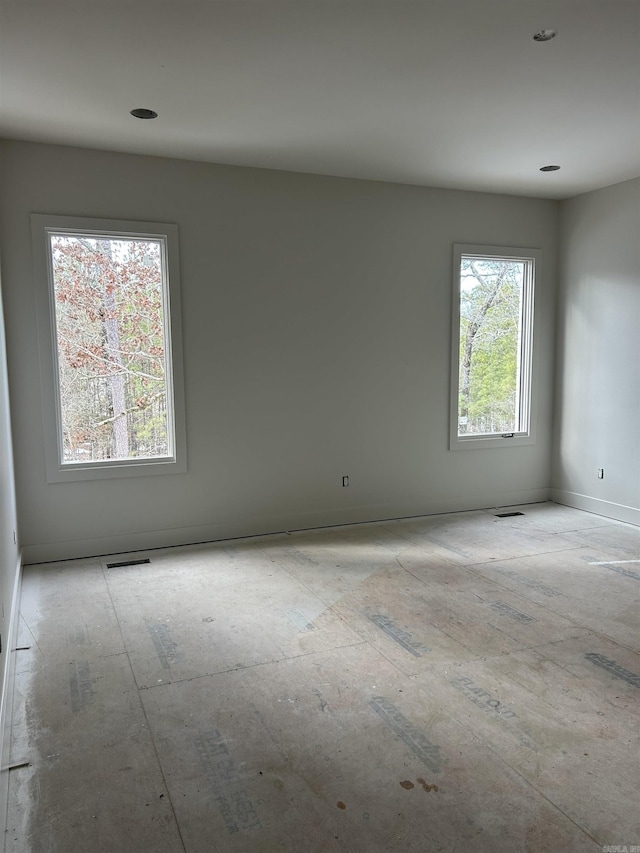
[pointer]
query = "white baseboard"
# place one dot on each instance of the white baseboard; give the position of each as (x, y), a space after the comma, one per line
(268, 524)
(6, 701)
(619, 512)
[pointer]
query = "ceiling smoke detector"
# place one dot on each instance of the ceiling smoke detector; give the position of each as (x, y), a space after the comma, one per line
(141, 112)
(545, 35)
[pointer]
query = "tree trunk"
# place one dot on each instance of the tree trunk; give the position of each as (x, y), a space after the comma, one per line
(116, 378)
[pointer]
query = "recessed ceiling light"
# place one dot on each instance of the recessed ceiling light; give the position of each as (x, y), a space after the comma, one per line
(143, 113)
(549, 168)
(545, 35)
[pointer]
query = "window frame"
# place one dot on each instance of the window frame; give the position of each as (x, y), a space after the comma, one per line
(533, 258)
(57, 470)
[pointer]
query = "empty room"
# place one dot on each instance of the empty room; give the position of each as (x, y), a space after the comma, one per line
(319, 426)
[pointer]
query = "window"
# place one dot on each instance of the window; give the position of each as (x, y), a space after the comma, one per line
(111, 366)
(492, 346)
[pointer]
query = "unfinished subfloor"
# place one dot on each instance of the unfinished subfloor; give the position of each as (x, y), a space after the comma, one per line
(450, 683)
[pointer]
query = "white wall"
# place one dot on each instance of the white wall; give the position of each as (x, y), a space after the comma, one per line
(597, 422)
(317, 343)
(9, 576)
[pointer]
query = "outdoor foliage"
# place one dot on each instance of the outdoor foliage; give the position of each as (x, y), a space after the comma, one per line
(491, 293)
(110, 344)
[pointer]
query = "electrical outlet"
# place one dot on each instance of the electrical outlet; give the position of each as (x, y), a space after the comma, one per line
(345, 481)
(601, 473)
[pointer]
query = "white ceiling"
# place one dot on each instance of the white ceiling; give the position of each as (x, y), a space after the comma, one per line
(449, 94)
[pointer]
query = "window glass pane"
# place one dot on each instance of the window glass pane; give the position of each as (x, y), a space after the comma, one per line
(111, 350)
(490, 359)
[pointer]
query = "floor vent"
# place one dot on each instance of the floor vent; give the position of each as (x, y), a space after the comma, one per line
(128, 563)
(507, 514)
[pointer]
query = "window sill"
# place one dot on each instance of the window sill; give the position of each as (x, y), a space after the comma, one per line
(490, 442)
(75, 472)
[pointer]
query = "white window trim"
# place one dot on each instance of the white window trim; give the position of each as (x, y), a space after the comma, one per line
(58, 471)
(475, 442)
